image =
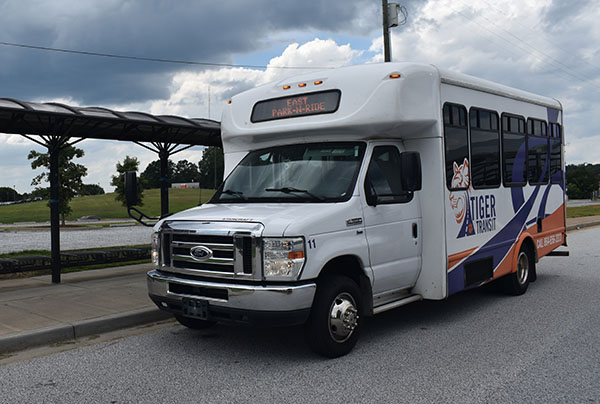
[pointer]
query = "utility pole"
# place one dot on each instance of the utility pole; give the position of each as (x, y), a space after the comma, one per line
(390, 20)
(387, 57)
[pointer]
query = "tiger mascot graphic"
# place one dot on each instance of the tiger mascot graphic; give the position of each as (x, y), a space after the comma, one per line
(458, 200)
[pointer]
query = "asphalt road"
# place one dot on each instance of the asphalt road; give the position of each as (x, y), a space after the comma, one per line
(476, 347)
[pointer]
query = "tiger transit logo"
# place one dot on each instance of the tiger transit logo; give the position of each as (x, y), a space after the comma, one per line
(475, 214)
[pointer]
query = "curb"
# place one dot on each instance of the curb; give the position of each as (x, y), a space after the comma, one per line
(582, 225)
(66, 332)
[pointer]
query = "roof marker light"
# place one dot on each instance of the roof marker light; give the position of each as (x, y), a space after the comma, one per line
(318, 82)
(395, 76)
(286, 87)
(302, 85)
(229, 102)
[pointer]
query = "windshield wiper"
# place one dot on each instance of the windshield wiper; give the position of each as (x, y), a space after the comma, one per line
(239, 194)
(291, 190)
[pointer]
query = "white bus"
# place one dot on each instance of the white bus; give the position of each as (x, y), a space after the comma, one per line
(353, 191)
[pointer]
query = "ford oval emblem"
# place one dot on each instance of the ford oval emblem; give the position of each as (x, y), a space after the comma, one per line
(201, 253)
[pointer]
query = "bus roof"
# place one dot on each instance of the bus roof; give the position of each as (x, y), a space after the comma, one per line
(373, 101)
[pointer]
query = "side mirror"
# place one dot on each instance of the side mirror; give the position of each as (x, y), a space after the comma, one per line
(410, 162)
(131, 195)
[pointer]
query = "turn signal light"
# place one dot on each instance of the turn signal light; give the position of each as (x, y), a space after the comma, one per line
(395, 76)
(294, 255)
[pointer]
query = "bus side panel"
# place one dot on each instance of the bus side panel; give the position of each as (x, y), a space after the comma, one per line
(485, 227)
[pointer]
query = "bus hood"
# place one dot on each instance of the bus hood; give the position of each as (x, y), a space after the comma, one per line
(289, 219)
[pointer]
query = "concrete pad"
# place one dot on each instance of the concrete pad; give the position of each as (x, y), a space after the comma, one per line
(61, 308)
(15, 319)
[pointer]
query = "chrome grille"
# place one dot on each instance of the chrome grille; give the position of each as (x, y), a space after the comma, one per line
(235, 249)
(221, 246)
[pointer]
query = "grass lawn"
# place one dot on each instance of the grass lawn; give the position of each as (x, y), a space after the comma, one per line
(581, 211)
(104, 206)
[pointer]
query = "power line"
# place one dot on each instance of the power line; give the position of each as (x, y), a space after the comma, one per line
(541, 36)
(569, 69)
(545, 58)
(158, 60)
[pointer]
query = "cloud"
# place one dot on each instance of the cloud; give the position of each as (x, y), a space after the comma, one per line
(507, 42)
(188, 96)
(203, 31)
(189, 90)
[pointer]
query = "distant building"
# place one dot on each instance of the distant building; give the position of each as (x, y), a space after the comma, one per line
(184, 185)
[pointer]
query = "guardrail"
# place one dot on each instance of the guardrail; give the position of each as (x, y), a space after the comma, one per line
(74, 259)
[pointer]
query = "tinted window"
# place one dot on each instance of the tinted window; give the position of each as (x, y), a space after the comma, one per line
(456, 142)
(555, 153)
(485, 148)
(384, 182)
(537, 152)
(514, 150)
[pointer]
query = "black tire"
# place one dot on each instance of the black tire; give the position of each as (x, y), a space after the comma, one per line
(194, 323)
(516, 283)
(333, 326)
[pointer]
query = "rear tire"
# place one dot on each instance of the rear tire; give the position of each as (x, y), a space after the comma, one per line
(516, 283)
(333, 326)
(194, 323)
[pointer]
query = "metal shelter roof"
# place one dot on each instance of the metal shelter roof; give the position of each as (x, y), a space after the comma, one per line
(30, 118)
(57, 124)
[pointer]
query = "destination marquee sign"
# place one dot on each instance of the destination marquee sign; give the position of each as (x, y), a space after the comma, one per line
(324, 102)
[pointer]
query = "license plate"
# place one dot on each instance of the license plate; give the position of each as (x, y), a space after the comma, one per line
(195, 308)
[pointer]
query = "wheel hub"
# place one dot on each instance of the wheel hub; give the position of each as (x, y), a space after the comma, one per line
(343, 317)
(522, 268)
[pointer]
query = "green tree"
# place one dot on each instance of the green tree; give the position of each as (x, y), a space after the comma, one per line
(185, 172)
(8, 194)
(118, 181)
(151, 175)
(91, 189)
(582, 180)
(212, 159)
(69, 174)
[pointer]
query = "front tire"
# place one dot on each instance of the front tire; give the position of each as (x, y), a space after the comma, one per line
(194, 323)
(333, 326)
(516, 283)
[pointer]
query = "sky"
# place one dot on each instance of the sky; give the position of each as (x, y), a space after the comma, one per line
(547, 47)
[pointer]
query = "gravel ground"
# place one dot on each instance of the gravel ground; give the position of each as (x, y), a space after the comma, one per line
(11, 241)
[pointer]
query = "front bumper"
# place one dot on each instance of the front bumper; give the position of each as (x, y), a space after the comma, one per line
(230, 302)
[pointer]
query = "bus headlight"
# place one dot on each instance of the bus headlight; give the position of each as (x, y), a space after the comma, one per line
(283, 258)
(155, 249)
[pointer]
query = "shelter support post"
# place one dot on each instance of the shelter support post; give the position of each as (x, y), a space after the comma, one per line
(164, 182)
(54, 151)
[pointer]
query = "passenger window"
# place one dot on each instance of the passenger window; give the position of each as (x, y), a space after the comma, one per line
(456, 141)
(555, 153)
(537, 153)
(514, 150)
(383, 184)
(485, 148)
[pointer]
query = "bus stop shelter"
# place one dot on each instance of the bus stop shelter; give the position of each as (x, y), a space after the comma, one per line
(56, 126)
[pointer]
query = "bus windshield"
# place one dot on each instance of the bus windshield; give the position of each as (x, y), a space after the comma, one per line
(315, 172)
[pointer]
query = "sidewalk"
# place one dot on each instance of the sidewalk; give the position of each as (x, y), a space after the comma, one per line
(35, 312)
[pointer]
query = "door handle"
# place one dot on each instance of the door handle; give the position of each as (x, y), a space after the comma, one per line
(415, 230)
